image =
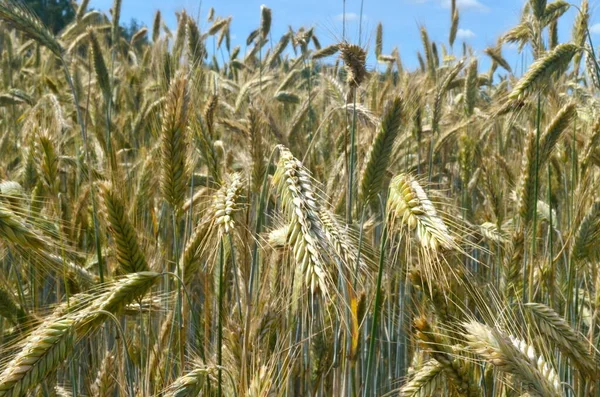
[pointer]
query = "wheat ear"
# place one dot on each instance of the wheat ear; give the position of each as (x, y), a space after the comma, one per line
(408, 203)
(130, 257)
(426, 381)
(306, 234)
(454, 368)
(545, 69)
(174, 143)
(380, 152)
(566, 338)
(22, 19)
(44, 351)
(513, 356)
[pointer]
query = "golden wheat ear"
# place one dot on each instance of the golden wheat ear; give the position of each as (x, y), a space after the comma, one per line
(513, 356)
(409, 207)
(306, 236)
(426, 381)
(570, 342)
(552, 65)
(191, 383)
(454, 367)
(355, 58)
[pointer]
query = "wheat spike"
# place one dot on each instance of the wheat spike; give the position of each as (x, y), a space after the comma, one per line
(551, 65)
(19, 16)
(455, 370)
(82, 9)
(189, 384)
(566, 338)
(580, 30)
(105, 382)
(426, 381)
(306, 235)
(156, 26)
(354, 58)
(99, 64)
(265, 21)
(379, 40)
(43, 352)
(225, 204)
(470, 89)
(515, 357)
(584, 246)
(453, 26)
(439, 97)
(538, 7)
(409, 205)
(326, 51)
(379, 154)
(130, 257)
(119, 294)
(174, 167)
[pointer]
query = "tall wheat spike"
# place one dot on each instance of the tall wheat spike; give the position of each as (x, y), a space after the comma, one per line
(379, 154)
(130, 257)
(17, 15)
(174, 141)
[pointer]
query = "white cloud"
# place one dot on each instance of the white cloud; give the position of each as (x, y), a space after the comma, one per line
(474, 5)
(350, 17)
(595, 28)
(470, 5)
(465, 34)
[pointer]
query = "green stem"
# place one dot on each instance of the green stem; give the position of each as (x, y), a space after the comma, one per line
(352, 166)
(535, 197)
(375, 320)
(219, 320)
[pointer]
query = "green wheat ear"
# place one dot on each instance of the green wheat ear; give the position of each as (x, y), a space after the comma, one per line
(99, 63)
(130, 257)
(174, 144)
(46, 349)
(380, 152)
(18, 15)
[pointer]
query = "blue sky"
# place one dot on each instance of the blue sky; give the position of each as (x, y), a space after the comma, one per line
(481, 21)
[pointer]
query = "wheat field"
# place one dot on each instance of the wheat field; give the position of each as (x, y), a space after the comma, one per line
(183, 218)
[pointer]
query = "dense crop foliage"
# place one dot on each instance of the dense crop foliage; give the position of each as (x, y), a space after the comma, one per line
(183, 218)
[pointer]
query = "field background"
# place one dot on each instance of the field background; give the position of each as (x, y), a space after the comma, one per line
(182, 217)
